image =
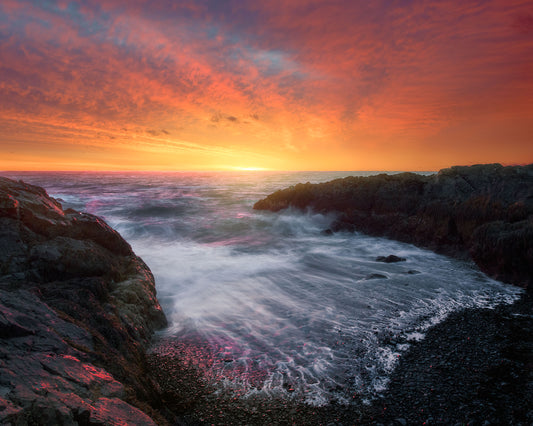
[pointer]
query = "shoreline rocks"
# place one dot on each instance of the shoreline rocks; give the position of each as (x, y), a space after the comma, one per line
(475, 367)
(77, 311)
(484, 212)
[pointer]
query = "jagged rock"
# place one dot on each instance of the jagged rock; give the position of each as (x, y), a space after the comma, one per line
(77, 311)
(481, 211)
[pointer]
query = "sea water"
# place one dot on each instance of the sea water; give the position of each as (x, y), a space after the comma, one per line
(266, 303)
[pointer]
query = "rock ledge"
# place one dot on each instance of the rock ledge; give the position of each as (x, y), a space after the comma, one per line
(484, 212)
(77, 311)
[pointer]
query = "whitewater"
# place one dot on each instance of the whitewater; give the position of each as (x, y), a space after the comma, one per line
(268, 303)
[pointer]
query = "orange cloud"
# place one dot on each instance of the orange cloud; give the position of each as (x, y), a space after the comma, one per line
(298, 85)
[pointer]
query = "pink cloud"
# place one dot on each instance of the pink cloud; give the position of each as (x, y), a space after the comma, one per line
(340, 72)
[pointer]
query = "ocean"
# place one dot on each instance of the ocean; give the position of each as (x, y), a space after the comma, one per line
(266, 303)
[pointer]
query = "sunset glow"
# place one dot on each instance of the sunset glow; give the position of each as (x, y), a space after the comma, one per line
(255, 85)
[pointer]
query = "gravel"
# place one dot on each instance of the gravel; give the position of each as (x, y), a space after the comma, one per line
(474, 368)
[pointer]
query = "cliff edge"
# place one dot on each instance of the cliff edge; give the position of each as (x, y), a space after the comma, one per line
(484, 212)
(77, 311)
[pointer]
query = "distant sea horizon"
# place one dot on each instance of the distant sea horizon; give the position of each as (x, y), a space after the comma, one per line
(236, 170)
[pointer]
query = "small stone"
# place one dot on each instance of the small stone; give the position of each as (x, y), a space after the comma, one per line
(390, 259)
(376, 276)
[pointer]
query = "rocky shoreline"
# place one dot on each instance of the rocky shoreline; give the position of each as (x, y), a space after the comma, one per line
(482, 212)
(475, 367)
(77, 312)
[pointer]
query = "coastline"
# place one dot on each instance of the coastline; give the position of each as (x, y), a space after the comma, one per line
(475, 367)
(482, 212)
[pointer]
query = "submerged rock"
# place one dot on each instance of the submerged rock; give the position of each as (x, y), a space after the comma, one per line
(484, 212)
(376, 277)
(77, 311)
(390, 259)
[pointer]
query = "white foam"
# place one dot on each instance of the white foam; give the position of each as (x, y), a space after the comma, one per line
(415, 336)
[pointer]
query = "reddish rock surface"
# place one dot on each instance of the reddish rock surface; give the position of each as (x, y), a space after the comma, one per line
(77, 311)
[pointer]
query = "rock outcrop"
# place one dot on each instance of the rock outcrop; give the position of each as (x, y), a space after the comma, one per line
(481, 211)
(77, 311)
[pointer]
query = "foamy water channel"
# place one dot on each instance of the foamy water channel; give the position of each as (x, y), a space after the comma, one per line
(264, 302)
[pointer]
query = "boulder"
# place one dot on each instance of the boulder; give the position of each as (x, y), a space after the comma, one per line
(77, 312)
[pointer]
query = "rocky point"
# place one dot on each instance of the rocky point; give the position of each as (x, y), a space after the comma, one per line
(484, 212)
(77, 312)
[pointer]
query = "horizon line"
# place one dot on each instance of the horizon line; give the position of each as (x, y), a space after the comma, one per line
(255, 170)
(216, 171)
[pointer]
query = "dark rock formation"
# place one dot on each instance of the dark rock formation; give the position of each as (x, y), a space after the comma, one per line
(390, 259)
(77, 311)
(481, 211)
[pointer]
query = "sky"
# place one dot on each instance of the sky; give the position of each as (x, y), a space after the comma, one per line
(277, 85)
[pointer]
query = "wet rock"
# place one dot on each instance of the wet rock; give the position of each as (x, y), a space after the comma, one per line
(484, 212)
(77, 311)
(376, 277)
(108, 410)
(390, 259)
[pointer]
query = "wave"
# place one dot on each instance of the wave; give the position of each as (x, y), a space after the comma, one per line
(298, 316)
